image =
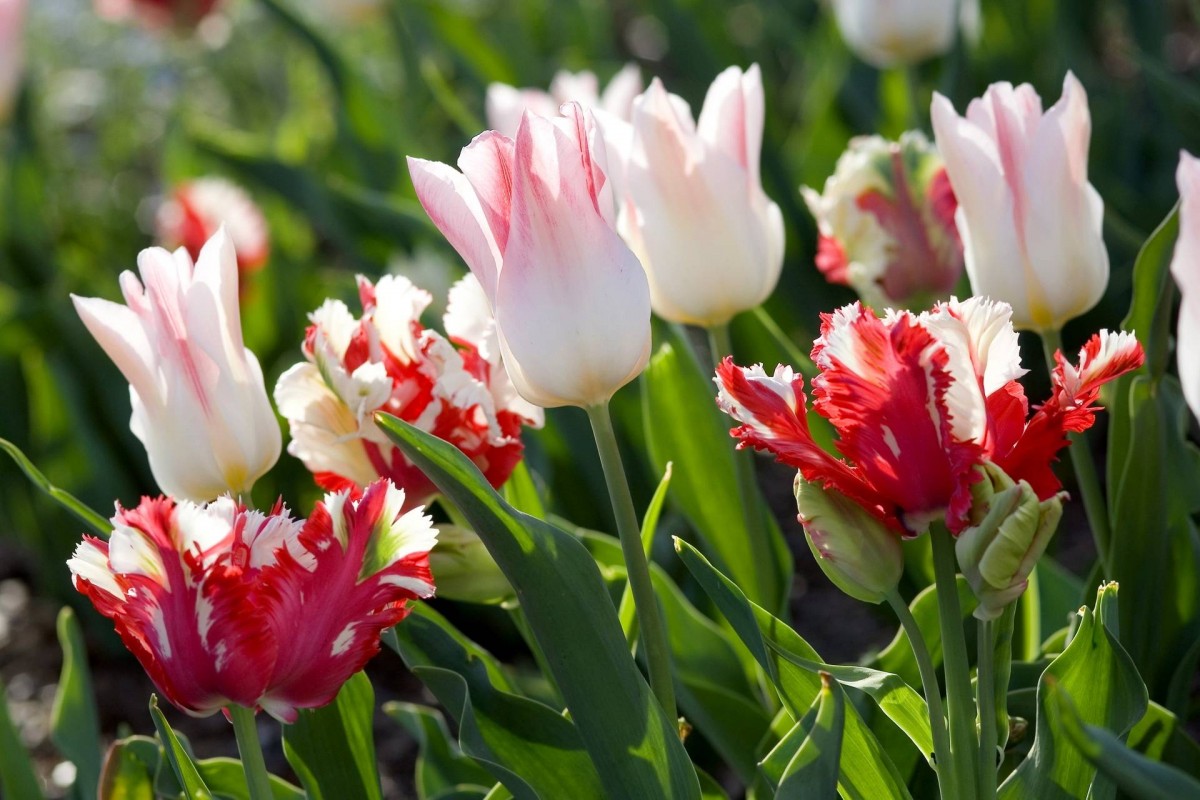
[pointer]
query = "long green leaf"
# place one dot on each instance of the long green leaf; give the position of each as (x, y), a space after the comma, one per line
(804, 763)
(17, 778)
(528, 746)
(1101, 676)
(714, 692)
(332, 749)
(70, 502)
(684, 426)
(178, 757)
(865, 770)
(1134, 774)
(1152, 290)
(633, 744)
(74, 726)
(441, 765)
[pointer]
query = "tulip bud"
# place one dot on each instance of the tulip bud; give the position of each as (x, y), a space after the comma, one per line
(696, 214)
(901, 32)
(1030, 222)
(158, 14)
(199, 404)
(12, 53)
(465, 570)
(886, 220)
(856, 551)
(1009, 531)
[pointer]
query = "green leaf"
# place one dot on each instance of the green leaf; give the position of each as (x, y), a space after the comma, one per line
(1155, 550)
(804, 763)
(714, 692)
(178, 757)
(865, 770)
(684, 426)
(521, 492)
(128, 774)
(1152, 290)
(74, 727)
(1161, 736)
(1133, 773)
(226, 778)
(528, 746)
(70, 502)
(17, 778)
(635, 747)
(441, 765)
(332, 749)
(1101, 676)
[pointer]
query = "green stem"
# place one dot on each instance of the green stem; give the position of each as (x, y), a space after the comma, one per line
(913, 83)
(799, 359)
(985, 693)
(964, 746)
(721, 345)
(943, 763)
(654, 632)
(258, 780)
(1085, 470)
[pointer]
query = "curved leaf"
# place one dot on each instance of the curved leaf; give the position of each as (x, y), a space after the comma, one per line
(332, 748)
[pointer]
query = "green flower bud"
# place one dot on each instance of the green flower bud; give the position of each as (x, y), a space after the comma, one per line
(854, 549)
(1009, 532)
(464, 570)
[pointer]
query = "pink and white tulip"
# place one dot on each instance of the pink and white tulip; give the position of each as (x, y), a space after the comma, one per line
(886, 222)
(12, 53)
(224, 605)
(506, 104)
(918, 402)
(197, 209)
(533, 220)
(199, 404)
(709, 237)
(387, 361)
(890, 33)
(1185, 268)
(1030, 221)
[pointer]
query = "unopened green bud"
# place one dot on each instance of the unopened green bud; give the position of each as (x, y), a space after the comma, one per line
(1009, 532)
(464, 570)
(855, 550)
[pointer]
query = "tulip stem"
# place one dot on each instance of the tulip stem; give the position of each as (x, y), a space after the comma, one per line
(1085, 469)
(964, 746)
(943, 763)
(653, 632)
(258, 780)
(721, 345)
(985, 693)
(800, 361)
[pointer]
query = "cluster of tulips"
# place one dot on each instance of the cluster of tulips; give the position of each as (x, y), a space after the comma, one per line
(581, 215)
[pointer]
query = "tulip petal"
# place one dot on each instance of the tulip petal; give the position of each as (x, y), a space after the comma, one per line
(450, 201)
(1185, 268)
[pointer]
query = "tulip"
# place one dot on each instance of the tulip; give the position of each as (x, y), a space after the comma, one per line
(855, 550)
(1009, 531)
(387, 361)
(197, 209)
(224, 605)
(199, 405)
(901, 32)
(1030, 221)
(886, 222)
(709, 237)
(1185, 267)
(158, 13)
(533, 221)
(12, 53)
(918, 401)
(506, 104)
